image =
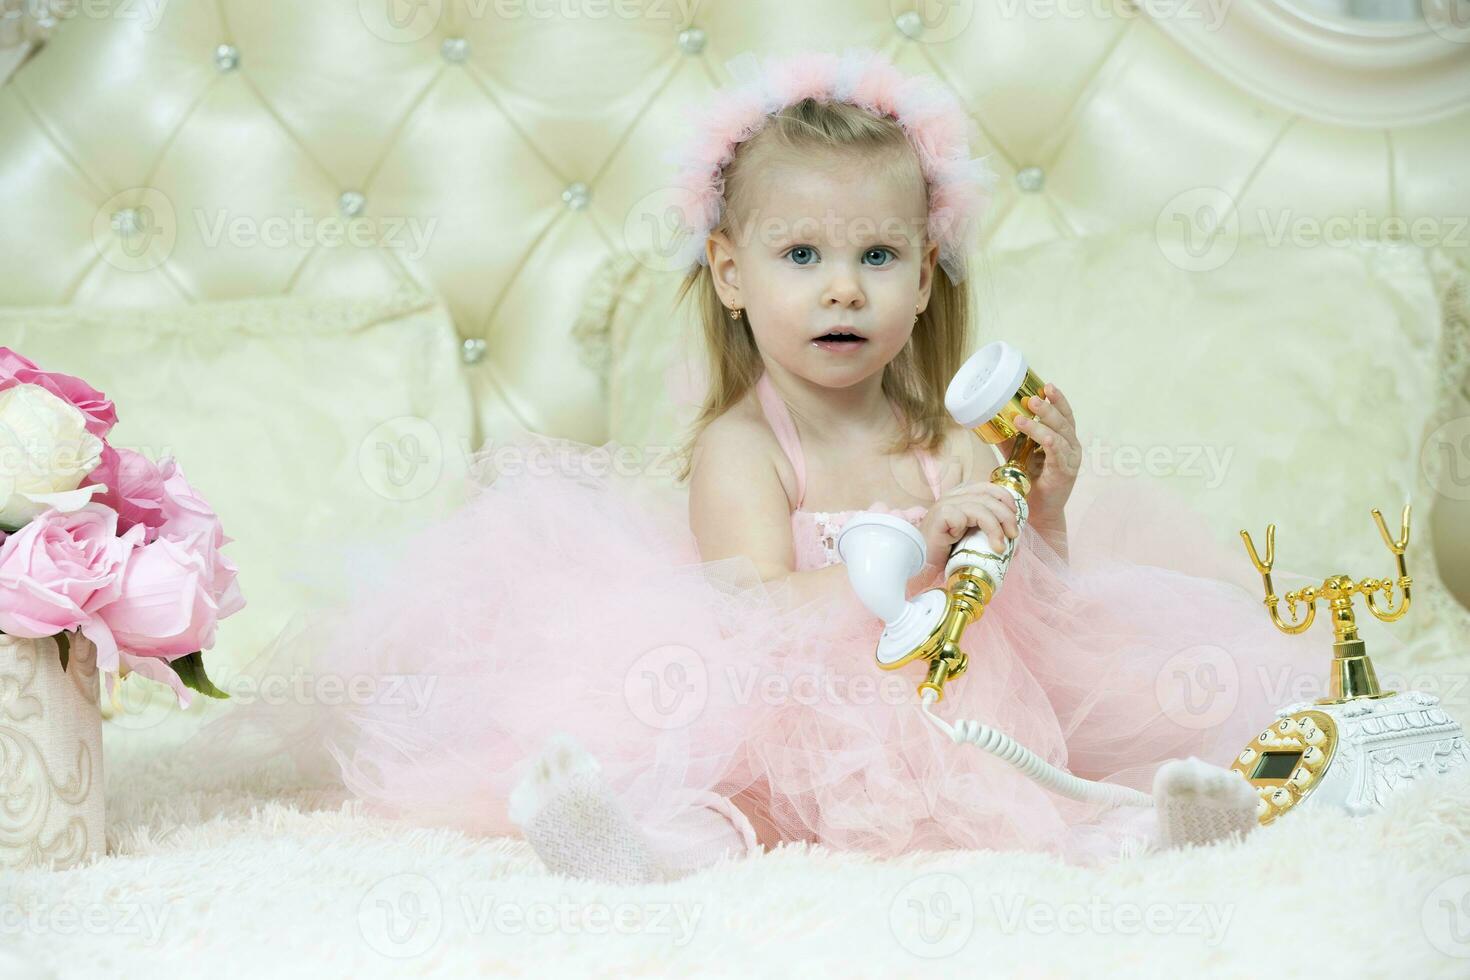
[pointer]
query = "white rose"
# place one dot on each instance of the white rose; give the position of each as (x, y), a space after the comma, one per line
(45, 453)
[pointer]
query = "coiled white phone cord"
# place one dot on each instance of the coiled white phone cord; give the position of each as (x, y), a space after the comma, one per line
(1057, 780)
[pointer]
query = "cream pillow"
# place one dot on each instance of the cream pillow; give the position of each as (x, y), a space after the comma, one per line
(304, 422)
(1290, 385)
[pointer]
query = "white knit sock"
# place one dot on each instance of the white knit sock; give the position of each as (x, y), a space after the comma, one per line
(1198, 803)
(575, 823)
(579, 828)
(708, 830)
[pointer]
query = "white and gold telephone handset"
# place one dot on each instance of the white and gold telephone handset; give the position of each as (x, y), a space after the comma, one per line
(882, 553)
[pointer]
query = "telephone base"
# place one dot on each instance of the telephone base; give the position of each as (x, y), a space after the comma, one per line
(1353, 755)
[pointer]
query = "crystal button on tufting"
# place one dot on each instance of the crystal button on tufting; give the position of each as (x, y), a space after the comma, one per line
(351, 203)
(127, 222)
(576, 196)
(454, 49)
(472, 351)
(691, 40)
(910, 24)
(226, 57)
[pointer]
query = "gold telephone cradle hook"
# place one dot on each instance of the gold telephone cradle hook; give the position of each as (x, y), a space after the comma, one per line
(1353, 675)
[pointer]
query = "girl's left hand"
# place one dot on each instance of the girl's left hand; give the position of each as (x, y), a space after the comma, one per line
(1053, 472)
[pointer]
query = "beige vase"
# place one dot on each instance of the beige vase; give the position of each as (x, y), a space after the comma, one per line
(51, 788)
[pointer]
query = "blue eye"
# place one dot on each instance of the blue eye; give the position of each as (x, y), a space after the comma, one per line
(808, 250)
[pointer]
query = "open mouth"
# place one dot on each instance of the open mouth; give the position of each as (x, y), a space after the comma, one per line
(839, 340)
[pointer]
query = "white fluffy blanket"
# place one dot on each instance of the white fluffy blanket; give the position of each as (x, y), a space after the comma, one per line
(251, 877)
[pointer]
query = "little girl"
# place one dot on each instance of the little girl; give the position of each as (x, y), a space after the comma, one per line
(642, 693)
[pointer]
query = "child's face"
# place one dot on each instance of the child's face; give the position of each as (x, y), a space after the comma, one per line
(823, 251)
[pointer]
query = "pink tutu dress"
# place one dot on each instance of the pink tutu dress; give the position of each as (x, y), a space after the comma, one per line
(560, 598)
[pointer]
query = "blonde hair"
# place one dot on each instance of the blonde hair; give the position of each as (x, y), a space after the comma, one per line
(916, 379)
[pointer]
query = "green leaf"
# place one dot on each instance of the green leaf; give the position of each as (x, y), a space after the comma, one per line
(64, 645)
(190, 669)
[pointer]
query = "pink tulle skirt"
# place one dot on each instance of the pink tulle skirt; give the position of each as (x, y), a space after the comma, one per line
(565, 598)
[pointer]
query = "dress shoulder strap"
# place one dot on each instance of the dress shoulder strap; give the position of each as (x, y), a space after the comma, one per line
(927, 463)
(931, 470)
(779, 418)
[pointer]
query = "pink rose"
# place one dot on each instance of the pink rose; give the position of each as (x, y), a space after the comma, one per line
(166, 605)
(185, 512)
(178, 586)
(188, 519)
(158, 497)
(134, 488)
(59, 570)
(100, 413)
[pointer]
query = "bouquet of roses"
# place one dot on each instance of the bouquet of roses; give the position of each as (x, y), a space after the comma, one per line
(102, 541)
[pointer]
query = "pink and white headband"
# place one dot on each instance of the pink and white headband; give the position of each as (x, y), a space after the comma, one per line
(959, 186)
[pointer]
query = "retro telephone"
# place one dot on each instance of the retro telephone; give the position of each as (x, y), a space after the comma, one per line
(1359, 745)
(1352, 749)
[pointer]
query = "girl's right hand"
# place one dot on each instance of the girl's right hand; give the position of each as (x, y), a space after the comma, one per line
(969, 505)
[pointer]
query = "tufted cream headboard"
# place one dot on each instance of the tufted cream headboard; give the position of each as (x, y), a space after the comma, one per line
(498, 150)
